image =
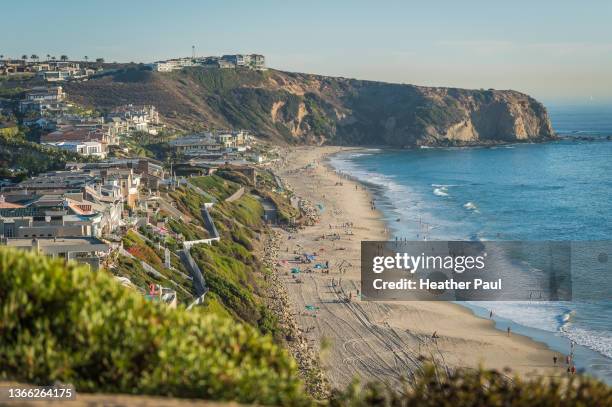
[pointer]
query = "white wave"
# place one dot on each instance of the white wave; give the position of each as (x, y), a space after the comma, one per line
(596, 340)
(540, 315)
(442, 191)
(471, 206)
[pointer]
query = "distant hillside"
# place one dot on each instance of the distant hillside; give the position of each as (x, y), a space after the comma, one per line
(302, 108)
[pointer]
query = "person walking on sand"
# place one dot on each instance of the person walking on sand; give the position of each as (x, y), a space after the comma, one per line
(555, 360)
(508, 331)
(491, 314)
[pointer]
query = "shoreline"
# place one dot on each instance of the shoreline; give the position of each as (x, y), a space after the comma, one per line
(585, 359)
(381, 334)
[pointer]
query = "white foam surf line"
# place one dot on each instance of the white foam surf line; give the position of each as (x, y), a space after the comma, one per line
(400, 202)
(553, 338)
(586, 359)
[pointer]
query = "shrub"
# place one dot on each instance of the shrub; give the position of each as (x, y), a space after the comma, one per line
(476, 388)
(63, 323)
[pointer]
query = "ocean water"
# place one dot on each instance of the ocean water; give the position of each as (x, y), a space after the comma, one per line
(552, 191)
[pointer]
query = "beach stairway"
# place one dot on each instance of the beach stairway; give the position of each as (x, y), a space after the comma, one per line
(199, 284)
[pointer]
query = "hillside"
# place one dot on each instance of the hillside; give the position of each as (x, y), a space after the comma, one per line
(20, 157)
(311, 109)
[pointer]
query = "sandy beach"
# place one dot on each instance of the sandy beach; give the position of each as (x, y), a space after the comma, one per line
(375, 340)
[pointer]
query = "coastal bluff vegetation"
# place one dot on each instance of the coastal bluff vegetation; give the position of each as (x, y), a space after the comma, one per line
(297, 108)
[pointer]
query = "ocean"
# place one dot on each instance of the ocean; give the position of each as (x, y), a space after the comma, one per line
(560, 190)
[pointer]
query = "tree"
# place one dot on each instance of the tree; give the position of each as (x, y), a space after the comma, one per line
(34, 57)
(53, 58)
(48, 57)
(24, 57)
(100, 60)
(64, 58)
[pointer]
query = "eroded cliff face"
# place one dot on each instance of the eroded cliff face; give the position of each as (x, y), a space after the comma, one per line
(312, 109)
(487, 117)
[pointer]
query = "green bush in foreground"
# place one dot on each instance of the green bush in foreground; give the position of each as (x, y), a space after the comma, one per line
(65, 323)
(477, 388)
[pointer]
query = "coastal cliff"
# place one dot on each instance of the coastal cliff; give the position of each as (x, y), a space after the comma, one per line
(297, 108)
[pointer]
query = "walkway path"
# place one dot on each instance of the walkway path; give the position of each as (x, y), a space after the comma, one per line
(199, 284)
(236, 195)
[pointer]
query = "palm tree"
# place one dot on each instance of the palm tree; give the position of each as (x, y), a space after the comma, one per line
(86, 58)
(48, 57)
(64, 58)
(34, 57)
(1, 56)
(24, 57)
(53, 58)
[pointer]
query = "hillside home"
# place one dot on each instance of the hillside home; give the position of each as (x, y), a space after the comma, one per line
(86, 250)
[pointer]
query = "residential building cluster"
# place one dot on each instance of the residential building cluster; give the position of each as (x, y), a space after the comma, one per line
(217, 144)
(65, 127)
(251, 61)
(65, 213)
(50, 71)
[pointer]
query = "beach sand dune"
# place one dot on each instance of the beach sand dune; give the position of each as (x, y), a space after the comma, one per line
(376, 340)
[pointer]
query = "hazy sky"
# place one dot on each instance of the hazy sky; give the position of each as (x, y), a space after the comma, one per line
(558, 51)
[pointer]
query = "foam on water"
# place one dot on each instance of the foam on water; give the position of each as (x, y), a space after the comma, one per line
(596, 340)
(471, 206)
(441, 191)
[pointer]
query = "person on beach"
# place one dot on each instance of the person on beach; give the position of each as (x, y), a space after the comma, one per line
(555, 360)
(508, 331)
(490, 314)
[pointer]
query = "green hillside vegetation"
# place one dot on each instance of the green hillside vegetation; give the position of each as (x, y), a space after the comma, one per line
(233, 273)
(231, 270)
(149, 253)
(26, 158)
(215, 185)
(64, 323)
(187, 230)
(188, 201)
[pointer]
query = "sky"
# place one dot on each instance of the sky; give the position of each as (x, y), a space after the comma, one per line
(557, 51)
